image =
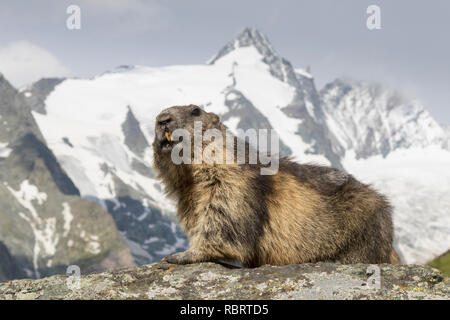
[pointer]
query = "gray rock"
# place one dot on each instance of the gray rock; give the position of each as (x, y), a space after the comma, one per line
(15, 117)
(8, 266)
(134, 138)
(142, 168)
(214, 281)
(36, 94)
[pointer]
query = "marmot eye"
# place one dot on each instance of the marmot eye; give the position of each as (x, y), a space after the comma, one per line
(195, 112)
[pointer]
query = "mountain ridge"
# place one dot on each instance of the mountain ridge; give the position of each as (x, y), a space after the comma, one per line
(384, 119)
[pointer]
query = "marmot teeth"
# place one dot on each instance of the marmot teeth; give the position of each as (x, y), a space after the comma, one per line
(168, 136)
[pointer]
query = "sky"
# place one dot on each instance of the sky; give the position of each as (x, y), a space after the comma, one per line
(410, 52)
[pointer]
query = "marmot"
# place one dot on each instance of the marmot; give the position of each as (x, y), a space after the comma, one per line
(303, 213)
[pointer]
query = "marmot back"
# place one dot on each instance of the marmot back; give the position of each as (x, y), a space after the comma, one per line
(303, 213)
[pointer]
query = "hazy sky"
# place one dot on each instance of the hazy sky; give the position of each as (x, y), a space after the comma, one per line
(410, 52)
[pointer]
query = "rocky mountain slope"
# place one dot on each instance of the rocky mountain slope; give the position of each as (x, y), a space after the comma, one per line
(100, 130)
(382, 119)
(44, 224)
(8, 265)
(213, 281)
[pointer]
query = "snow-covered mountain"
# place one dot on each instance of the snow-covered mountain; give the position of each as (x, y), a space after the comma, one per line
(382, 119)
(100, 130)
(45, 225)
(393, 142)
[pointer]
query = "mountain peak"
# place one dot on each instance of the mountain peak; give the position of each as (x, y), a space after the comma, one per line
(249, 37)
(252, 37)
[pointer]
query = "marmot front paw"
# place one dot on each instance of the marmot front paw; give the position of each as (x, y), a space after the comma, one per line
(179, 258)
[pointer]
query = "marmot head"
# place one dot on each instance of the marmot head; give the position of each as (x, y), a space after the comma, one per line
(181, 117)
(205, 141)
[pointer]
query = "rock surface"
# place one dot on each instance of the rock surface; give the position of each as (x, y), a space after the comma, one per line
(214, 281)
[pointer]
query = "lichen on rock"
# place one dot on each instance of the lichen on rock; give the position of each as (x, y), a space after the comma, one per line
(214, 281)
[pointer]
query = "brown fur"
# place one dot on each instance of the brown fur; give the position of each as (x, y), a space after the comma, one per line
(304, 213)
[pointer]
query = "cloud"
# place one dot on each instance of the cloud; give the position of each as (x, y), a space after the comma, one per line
(23, 63)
